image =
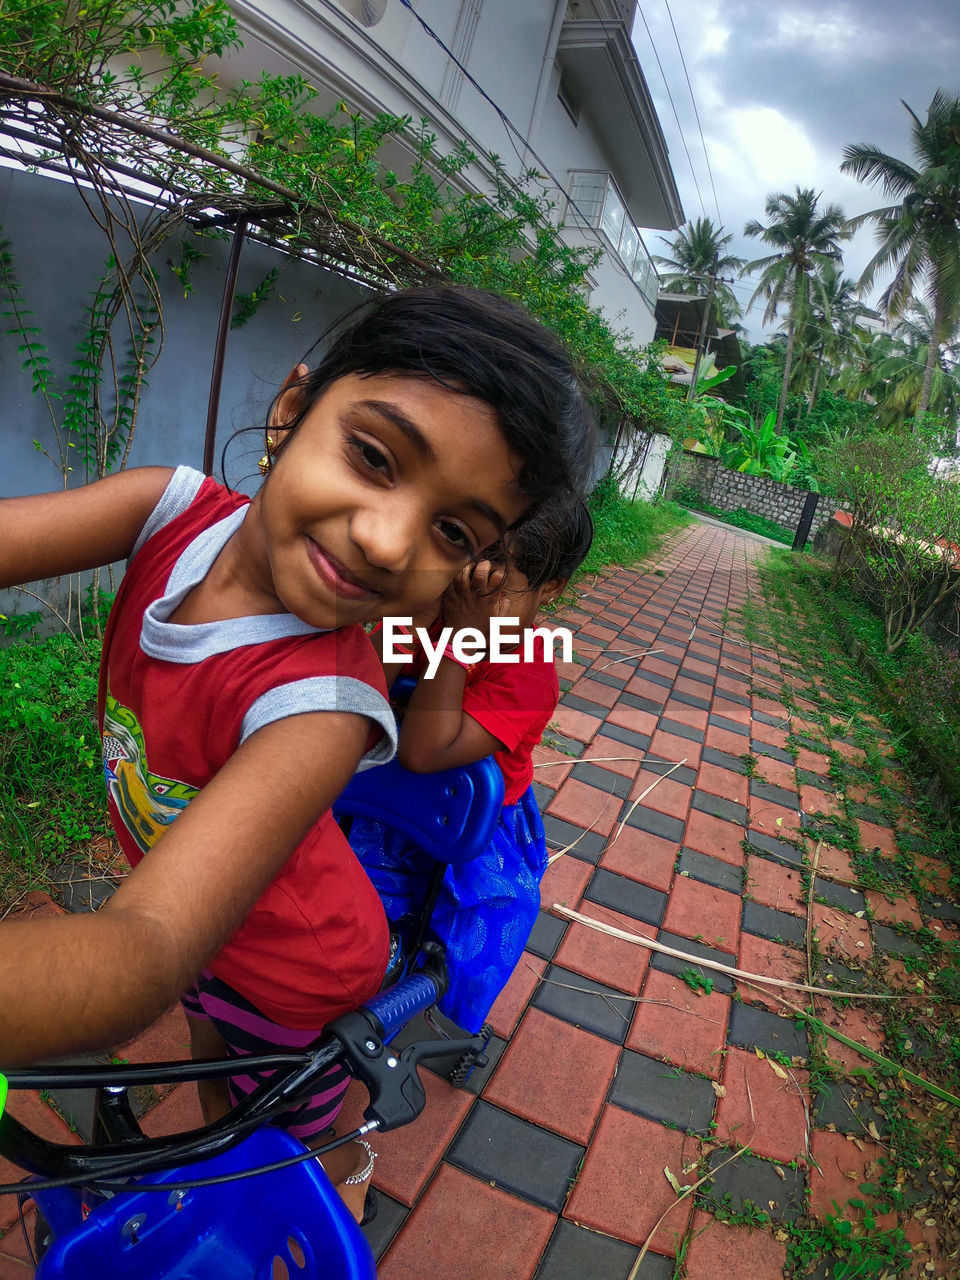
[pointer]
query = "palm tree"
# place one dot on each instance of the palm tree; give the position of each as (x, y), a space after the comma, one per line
(896, 370)
(834, 336)
(806, 238)
(920, 236)
(698, 253)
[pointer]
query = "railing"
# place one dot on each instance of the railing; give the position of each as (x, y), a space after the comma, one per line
(595, 201)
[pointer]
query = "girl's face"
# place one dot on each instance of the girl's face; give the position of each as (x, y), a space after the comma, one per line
(386, 489)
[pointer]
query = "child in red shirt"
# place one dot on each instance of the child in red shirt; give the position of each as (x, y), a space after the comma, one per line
(486, 907)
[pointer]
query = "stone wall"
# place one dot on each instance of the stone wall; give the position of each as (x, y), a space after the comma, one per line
(731, 490)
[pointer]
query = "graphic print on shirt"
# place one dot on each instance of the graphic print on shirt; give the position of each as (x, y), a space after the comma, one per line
(146, 804)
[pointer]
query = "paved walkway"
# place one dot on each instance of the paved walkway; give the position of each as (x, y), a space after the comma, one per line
(616, 1071)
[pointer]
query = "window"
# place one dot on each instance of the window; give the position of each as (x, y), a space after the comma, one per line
(595, 202)
(567, 101)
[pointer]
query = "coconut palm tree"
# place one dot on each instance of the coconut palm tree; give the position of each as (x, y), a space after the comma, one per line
(698, 253)
(833, 337)
(920, 236)
(898, 370)
(806, 238)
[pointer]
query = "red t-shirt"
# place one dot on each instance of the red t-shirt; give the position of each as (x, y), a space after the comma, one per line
(175, 703)
(514, 702)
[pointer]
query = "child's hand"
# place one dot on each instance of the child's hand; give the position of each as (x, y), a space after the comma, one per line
(474, 597)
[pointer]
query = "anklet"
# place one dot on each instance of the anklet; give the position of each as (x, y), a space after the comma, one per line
(367, 1169)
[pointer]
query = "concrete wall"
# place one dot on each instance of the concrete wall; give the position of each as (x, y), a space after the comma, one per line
(731, 490)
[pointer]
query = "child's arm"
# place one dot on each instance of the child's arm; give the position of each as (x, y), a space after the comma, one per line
(73, 529)
(89, 982)
(436, 732)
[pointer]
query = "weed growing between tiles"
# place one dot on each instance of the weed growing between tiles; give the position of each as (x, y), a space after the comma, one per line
(877, 784)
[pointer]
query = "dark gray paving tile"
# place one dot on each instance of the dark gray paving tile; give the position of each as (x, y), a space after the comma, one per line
(589, 844)
(775, 753)
(619, 612)
(720, 807)
(661, 1092)
(778, 849)
(774, 795)
(628, 737)
(724, 695)
(79, 891)
(753, 1028)
(723, 760)
(680, 730)
(940, 908)
(775, 722)
(808, 779)
(575, 1254)
(749, 1180)
(543, 795)
(895, 944)
(603, 779)
(545, 935)
(604, 677)
(654, 823)
(844, 1104)
(585, 1003)
(699, 866)
(732, 726)
(520, 1157)
(702, 704)
(391, 1215)
(640, 704)
(706, 681)
(839, 895)
(767, 922)
(629, 896)
(656, 677)
(672, 964)
(812, 744)
(733, 673)
(684, 775)
(830, 973)
(585, 705)
(560, 742)
(866, 813)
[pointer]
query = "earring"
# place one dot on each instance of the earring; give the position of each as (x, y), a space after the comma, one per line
(266, 462)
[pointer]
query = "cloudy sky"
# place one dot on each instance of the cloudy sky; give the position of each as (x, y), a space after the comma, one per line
(782, 86)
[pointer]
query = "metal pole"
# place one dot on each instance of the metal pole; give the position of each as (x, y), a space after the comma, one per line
(701, 336)
(216, 376)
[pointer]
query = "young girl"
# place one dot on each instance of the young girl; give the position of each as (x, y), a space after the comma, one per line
(486, 907)
(239, 692)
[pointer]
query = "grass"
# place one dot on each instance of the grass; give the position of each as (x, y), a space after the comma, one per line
(625, 531)
(741, 518)
(51, 782)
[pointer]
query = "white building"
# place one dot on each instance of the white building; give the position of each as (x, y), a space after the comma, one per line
(564, 75)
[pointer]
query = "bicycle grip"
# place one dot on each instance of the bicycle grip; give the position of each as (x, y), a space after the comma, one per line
(394, 1008)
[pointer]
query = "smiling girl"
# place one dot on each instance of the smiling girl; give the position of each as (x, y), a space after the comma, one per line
(239, 692)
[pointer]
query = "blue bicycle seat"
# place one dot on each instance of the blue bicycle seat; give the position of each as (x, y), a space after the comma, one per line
(450, 815)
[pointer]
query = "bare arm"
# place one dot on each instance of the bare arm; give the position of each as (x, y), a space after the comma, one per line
(94, 981)
(73, 529)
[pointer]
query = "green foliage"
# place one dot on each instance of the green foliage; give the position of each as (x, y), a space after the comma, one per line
(51, 782)
(863, 1249)
(697, 981)
(246, 305)
(901, 553)
(626, 531)
(740, 519)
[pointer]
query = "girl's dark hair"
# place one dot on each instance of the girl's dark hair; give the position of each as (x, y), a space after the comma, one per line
(485, 346)
(553, 544)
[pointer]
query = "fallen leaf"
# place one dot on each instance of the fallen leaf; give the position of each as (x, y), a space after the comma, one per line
(779, 1172)
(672, 1179)
(719, 1089)
(777, 1069)
(873, 1131)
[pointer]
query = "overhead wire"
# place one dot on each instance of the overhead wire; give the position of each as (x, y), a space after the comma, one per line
(696, 112)
(673, 105)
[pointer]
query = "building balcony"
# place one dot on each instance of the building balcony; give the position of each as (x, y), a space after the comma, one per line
(595, 201)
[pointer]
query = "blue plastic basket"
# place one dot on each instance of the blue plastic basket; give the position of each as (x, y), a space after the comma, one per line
(234, 1231)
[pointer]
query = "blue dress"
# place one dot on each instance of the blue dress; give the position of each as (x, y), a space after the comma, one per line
(486, 907)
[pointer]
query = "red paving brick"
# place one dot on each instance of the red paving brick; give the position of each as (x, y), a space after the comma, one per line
(842, 935)
(177, 1113)
(718, 1251)
(666, 796)
(640, 856)
(761, 1110)
(629, 1205)
(461, 1223)
(698, 910)
(572, 1069)
(726, 740)
(575, 724)
(679, 1025)
(722, 782)
(559, 766)
(769, 960)
(715, 836)
(887, 911)
(855, 1025)
(669, 746)
(773, 884)
(586, 806)
(564, 881)
(594, 691)
(843, 1165)
(835, 862)
(407, 1157)
(612, 961)
(618, 757)
(812, 800)
(778, 772)
(515, 996)
(875, 837)
(632, 718)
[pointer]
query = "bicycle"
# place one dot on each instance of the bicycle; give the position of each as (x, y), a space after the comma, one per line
(176, 1221)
